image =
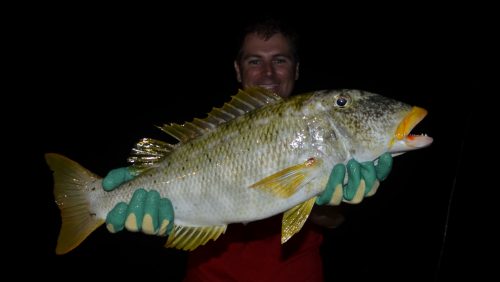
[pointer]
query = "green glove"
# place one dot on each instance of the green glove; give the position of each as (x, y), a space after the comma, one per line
(147, 211)
(363, 181)
(116, 177)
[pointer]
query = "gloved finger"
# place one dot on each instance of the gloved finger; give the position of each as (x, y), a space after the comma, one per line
(166, 217)
(135, 211)
(369, 176)
(116, 218)
(374, 189)
(384, 166)
(355, 189)
(150, 219)
(332, 194)
(116, 177)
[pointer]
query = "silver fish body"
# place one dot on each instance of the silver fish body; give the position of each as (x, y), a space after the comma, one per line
(211, 178)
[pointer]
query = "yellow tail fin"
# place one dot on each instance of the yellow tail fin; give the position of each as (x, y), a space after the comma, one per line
(72, 184)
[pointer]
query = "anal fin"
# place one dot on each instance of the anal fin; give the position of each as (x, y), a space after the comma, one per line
(189, 238)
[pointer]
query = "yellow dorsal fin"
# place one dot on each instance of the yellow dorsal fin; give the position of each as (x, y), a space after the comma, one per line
(189, 238)
(294, 219)
(148, 152)
(241, 103)
(287, 181)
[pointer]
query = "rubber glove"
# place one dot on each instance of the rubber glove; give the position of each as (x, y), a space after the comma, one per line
(362, 181)
(118, 176)
(146, 212)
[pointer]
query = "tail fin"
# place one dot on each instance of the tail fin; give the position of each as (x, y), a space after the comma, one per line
(72, 185)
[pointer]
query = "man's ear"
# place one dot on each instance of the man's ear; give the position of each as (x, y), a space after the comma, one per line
(297, 71)
(237, 70)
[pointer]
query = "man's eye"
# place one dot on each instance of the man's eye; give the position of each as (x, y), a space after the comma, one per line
(253, 62)
(279, 61)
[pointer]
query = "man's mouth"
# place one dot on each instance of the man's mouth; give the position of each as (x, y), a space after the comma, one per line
(272, 87)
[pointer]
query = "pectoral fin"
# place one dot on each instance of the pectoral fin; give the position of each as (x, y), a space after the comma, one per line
(294, 219)
(286, 182)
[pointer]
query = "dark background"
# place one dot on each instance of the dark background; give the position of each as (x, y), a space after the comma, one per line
(109, 78)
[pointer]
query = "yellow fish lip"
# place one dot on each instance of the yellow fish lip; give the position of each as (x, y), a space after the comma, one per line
(416, 115)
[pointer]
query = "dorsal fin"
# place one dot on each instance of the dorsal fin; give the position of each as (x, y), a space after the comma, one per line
(147, 153)
(241, 103)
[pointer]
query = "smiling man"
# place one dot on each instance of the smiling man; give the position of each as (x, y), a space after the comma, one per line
(268, 58)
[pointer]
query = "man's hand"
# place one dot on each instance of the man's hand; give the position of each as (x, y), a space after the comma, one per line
(146, 212)
(116, 177)
(363, 180)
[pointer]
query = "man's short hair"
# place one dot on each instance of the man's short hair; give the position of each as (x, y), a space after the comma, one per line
(266, 28)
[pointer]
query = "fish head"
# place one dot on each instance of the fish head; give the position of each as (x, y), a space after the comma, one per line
(370, 124)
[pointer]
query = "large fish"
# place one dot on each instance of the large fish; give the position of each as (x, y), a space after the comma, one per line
(257, 156)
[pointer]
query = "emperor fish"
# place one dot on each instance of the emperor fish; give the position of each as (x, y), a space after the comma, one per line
(257, 156)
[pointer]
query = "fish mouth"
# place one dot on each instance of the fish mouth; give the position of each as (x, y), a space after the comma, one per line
(402, 140)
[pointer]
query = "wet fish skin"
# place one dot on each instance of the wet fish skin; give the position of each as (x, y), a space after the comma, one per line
(246, 165)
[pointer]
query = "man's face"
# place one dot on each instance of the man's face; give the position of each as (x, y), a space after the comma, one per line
(267, 63)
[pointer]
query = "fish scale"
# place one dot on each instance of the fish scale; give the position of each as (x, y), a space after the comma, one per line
(256, 157)
(226, 189)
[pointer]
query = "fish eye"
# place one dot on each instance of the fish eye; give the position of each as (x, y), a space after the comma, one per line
(342, 101)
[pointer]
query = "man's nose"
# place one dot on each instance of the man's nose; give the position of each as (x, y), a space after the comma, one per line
(269, 69)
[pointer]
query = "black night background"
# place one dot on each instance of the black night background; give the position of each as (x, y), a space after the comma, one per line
(110, 79)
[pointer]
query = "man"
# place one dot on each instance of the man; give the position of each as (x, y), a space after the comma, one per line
(268, 57)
